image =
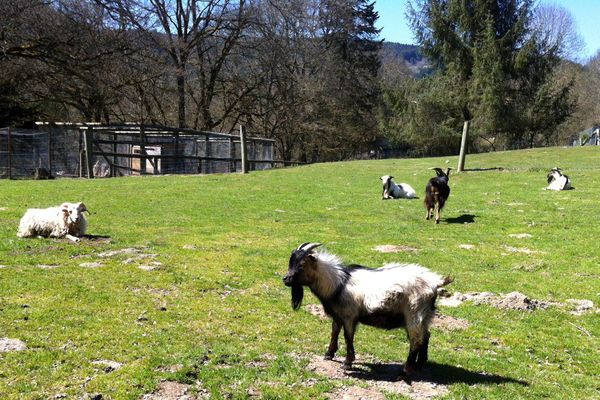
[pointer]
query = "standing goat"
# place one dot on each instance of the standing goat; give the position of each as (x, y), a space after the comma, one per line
(64, 221)
(437, 192)
(393, 296)
(391, 190)
(558, 181)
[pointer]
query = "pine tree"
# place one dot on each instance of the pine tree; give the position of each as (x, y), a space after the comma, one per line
(493, 67)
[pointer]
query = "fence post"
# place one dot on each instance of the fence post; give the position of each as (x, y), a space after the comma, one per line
(142, 150)
(88, 136)
(50, 151)
(244, 149)
(463, 147)
(207, 154)
(232, 155)
(9, 141)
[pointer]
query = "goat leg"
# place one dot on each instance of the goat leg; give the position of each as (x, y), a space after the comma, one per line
(333, 343)
(349, 329)
(423, 350)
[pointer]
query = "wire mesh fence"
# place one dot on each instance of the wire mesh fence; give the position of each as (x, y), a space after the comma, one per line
(64, 149)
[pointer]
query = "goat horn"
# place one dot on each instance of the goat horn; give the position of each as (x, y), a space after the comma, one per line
(307, 247)
(302, 245)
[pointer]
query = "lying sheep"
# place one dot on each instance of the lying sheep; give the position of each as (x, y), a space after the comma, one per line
(558, 181)
(391, 190)
(64, 221)
(394, 296)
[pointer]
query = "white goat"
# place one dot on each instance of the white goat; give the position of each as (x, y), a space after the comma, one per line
(394, 296)
(64, 221)
(391, 190)
(558, 181)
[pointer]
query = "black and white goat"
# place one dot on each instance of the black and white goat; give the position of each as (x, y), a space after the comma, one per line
(437, 192)
(393, 296)
(558, 181)
(391, 190)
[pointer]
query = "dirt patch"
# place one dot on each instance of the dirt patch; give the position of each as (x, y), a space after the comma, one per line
(170, 368)
(47, 266)
(7, 344)
(91, 265)
(520, 235)
(112, 253)
(139, 257)
(379, 379)
(580, 307)
(316, 310)
(168, 390)
(108, 365)
(2, 266)
(154, 265)
(523, 250)
(466, 246)
(449, 323)
(512, 301)
(355, 393)
(392, 248)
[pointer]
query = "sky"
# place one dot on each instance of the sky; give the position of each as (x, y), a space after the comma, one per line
(585, 12)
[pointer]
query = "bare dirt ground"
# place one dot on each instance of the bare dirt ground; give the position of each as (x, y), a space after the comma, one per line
(168, 390)
(392, 248)
(8, 344)
(516, 301)
(379, 378)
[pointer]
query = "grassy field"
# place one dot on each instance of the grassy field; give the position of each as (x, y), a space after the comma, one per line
(214, 313)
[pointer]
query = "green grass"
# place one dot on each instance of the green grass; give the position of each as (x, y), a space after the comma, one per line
(217, 305)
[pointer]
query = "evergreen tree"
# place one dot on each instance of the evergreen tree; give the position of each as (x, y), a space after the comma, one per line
(493, 68)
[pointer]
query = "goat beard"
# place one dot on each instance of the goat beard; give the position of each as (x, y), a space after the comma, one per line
(297, 295)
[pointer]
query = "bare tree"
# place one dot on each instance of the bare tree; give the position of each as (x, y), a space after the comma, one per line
(556, 28)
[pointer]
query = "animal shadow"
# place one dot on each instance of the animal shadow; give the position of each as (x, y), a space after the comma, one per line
(483, 169)
(97, 238)
(441, 374)
(463, 219)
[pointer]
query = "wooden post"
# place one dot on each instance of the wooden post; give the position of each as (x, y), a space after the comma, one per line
(88, 136)
(50, 152)
(232, 155)
(9, 141)
(463, 147)
(207, 154)
(113, 167)
(244, 149)
(142, 150)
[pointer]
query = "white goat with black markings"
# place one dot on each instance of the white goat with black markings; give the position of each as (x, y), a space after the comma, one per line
(558, 181)
(393, 296)
(67, 220)
(392, 190)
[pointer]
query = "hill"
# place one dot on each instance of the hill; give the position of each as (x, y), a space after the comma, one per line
(187, 291)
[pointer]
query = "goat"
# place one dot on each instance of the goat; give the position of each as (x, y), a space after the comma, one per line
(391, 190)
(437, 192)
(66, 220)
(558, 181)
(393, 296)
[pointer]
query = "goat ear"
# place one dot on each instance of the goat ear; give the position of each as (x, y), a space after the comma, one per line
(82, 208)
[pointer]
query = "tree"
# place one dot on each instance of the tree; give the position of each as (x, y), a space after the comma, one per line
(492, 69)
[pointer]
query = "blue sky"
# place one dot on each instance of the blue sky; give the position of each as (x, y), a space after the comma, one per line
(585, 12)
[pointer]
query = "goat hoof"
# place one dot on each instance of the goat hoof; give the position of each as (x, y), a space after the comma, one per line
(328, 357)
(346, 366)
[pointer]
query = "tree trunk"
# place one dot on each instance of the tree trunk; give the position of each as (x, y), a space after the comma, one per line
(181, 96)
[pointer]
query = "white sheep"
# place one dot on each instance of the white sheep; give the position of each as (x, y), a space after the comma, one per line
(558, 181)
(391, 190)
(394, 296)
(66, 220)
